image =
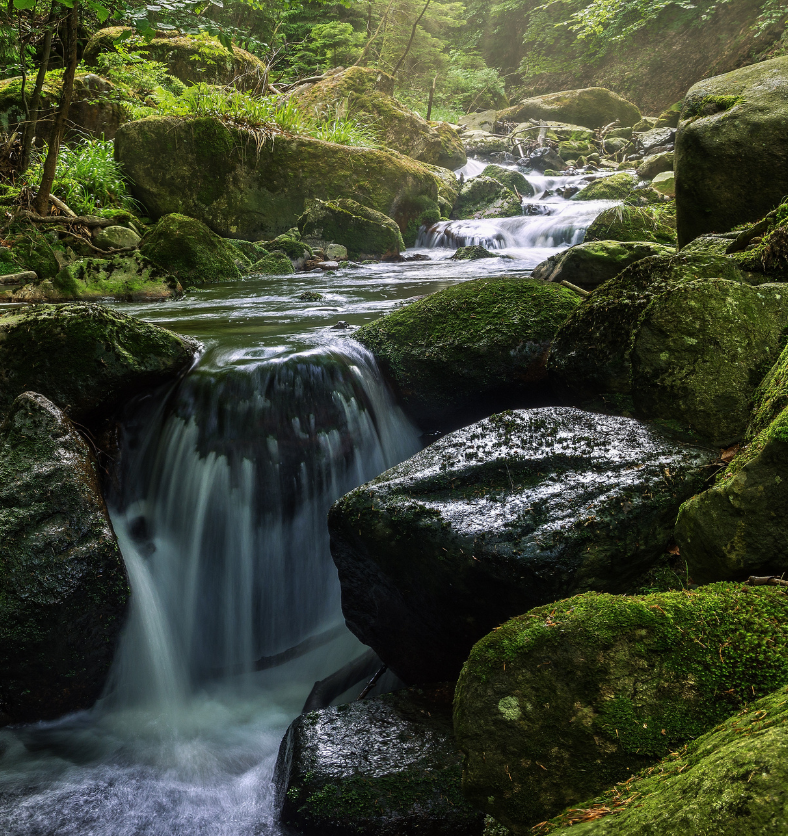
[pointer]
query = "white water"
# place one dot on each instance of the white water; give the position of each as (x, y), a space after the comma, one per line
(221, 520)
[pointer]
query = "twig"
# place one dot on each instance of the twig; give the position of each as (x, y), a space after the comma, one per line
(578, 290)
(98, 249)
(768, 580)
(372, 682)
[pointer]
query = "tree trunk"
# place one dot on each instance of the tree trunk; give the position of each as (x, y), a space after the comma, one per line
(35, 102)
(58, 128)
(412, 36)
(432, 96)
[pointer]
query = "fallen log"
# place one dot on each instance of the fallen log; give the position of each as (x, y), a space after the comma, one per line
(19, 278)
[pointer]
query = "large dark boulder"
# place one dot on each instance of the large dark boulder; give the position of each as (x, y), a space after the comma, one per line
(518, 510)
(469, 348)
(207, 170)
(732, 149)
(63, 587)
(386, 766)
(86, 358)
(591, 107)
(561, 703)
(735, 778)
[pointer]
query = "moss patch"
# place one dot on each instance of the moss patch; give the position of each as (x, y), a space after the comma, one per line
(636, 223)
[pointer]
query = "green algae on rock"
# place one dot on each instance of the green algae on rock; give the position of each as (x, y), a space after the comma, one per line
(466, 347)
(591, 354)
(63, 587)
(484, 197)
(365, 232)
(716, 153)
(515, 511)
(86, 358)
(216, 173)
(732, 781)
(592, 263)
(699, 351)
(636, 223)
(559, 704)
(591, 107)
(190, 251)
(385, 766)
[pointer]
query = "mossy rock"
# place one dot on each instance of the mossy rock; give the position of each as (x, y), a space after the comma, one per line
(763, 247)
(276, 263)
(518, 510)
(512, 179)
(250, 251)
(592, 107)
(700, 349)
(115, 237)
(729, 782)
(731, 530)
(190, 58)
(655, 164)
(290, 243)
(614, 187)
(366, 93)
(483, 144)
(63, 587)
(190, 251)
(41, 252)
(713, 245)
(716, 154)
(472, 253)
(385, 766)
(423, 212)
(636, 223)
(216, 173)
(86, 358)
(593, 263)
(484, 197)
(448, 189)
(462, 348)
(559, 704)
(591, 353)
(127, 278)
(365, 232)
(665, 183)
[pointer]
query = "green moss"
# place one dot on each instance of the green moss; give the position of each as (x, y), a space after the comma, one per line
(615, 187)
(472, 253)
(291, 245)
(709, 105)
(484, 197)
(276, 263)
(633, 223)
(423, 211)
(513, 180)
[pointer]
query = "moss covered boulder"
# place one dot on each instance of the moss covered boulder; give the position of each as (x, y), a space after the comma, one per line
(484, 197)
(63, 587)
(386, 766)
(589, 265)
(470, 348)
(190, 58)
(762, 247)
(472, 253)
(512, 179)
(591, 353)
(700, 349)
(592, 107)
(365, 232)
(367, 94)
(732, 149)
(561, 703)
(86, 358)
(273, 264)
(730, 782)
(190, 251)
(655, 164)
(615, 187)
(518, 510)
(216, 173)
(636, 223)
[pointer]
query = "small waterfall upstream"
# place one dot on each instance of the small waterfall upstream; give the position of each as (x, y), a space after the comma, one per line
(219, 502)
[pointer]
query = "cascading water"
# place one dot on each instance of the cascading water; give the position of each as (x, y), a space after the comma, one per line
(222, 490)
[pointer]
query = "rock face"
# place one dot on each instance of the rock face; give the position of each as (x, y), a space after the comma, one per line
(735, 776)
(484, 197)
(699, 351)
(203, 169)
(367, 93)
(86, 358)
(466, 349)
(591, 107)
(386, 766)
(190, 59)
(559, 704)
(731, 150)
(63, 587)
(636, 223)
(190, 251)
(518, 510)
(589, 265)
(734, 529)
(365, 232)
(591, 353)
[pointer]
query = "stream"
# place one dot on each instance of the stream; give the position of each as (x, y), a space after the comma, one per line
(219, 503)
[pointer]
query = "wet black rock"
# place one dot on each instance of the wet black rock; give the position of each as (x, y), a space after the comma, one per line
(384, 767)
(472, 253)
(521, 509)
(63, 586)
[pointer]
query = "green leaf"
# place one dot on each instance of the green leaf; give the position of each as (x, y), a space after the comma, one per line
(101, 12)
(69, 4)
(24, 4)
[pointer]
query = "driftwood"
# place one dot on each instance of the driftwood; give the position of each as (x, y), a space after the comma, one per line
(578, 290)
(768, 580)
(372, 682)
(19, 278)
(747, 236)
(325, 691)
(89, 221)
(67, 210)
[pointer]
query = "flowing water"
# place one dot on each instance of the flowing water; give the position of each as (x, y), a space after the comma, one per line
(219, 504)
